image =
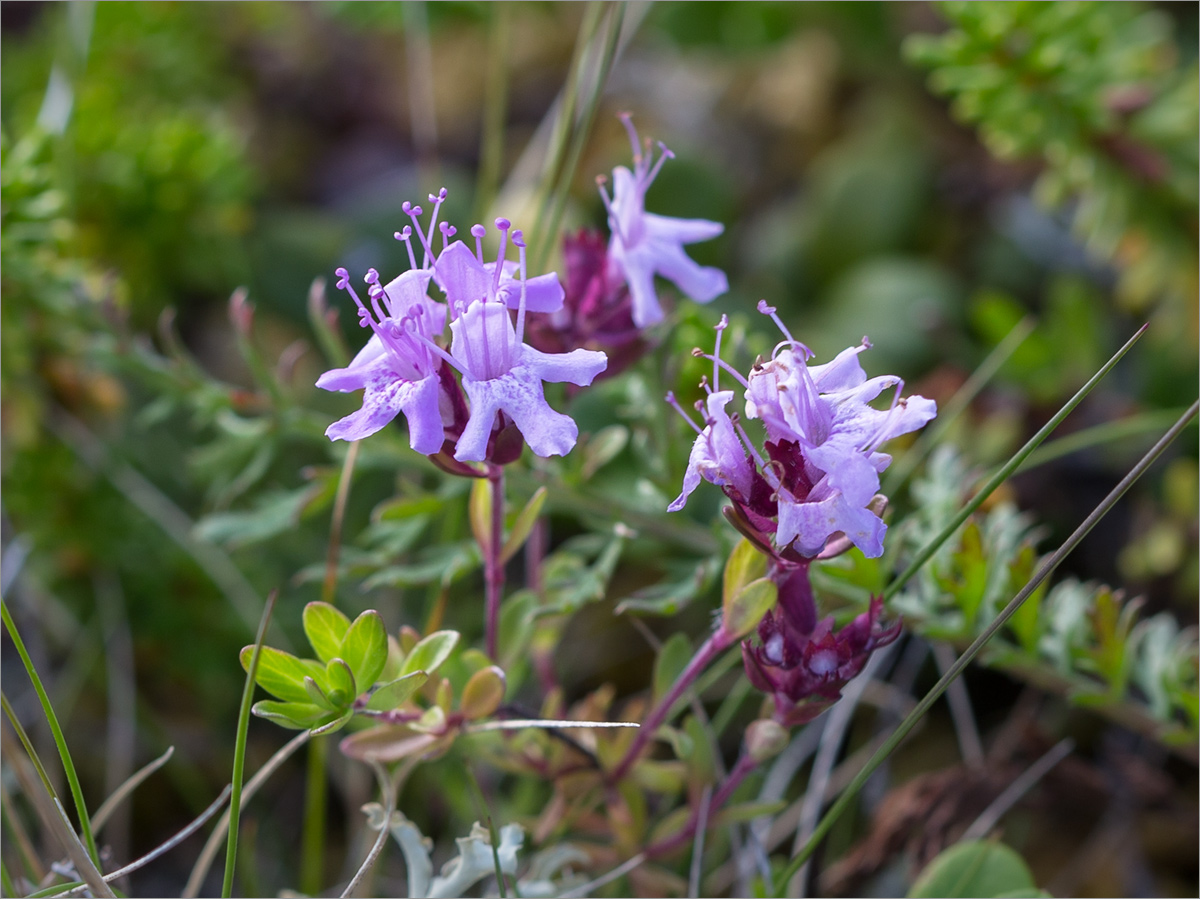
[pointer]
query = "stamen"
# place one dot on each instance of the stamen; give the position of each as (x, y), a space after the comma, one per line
(737, 375)
(614, 223)
(414, 213)
(627, 120)
(770, 310)
(377, 293)
(405, 234)
(438, 351)
(502, 225)
(364, 316)
(664, 155)
(670, 398)
(428, 242)
(519, 242)
(448, 231)
(721, 326)
(477, 231)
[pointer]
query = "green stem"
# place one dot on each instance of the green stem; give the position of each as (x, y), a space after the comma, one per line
(1009, 467)
(85, 821)
(1047, 567)
(239, 750)
(312, 842)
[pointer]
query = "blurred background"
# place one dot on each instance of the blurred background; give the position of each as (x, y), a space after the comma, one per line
(925, 175)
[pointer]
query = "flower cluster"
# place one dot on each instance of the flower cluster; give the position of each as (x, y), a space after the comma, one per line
(812, 489)
(408, 365)
(802, 662)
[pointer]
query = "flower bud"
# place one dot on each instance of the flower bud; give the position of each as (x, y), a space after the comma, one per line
(765, 739)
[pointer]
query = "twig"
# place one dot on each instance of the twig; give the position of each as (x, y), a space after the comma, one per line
(118, 795)
(698, 845)
(830, 745)
(388, 786)
(209, 852)
(969, 742)
(987, 819)
(619, 871)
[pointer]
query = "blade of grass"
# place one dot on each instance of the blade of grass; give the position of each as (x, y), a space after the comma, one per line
(899, 474)
(239, 749)
(481, 807)
(603, 66)
(1009, 467)
(158, 851)
(1043, 572)
(28, 744)
(6, 881)
(31, 866)
(85, 822)
(495, 108)
(1098, 435)
(312, 839)
(209, 852)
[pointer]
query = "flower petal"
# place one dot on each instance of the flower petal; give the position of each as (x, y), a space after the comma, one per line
(808, 525)
(680, 231)
(578, 366)
(355, 375)
(461, 276)
(519, 394)
(700, 283)
(386, 395)
(542, 294)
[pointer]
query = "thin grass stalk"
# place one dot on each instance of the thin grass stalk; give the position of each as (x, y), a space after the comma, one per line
(562, 130)
(1098, 435)
(312, 836)
(1044, 571)
(608, 55)
(209, 853)
(32, 867)
(29, 748)
(495, 109)
(899, 474)
(486, 814)
(6, 881)
(85, 821)
(1009, 467)
(239, 749)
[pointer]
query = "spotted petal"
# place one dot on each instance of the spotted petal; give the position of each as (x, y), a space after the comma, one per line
(386, 396)
(519, 394)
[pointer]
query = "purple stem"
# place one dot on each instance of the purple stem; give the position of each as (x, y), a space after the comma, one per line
(493, 567)
(711, 648)
(745, 764)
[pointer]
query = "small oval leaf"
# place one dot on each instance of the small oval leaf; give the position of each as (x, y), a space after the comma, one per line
(294, 715)
(282, 674)
(325, 627)
(745, 609)
(429, 654)
(342, 690)
(746, 563)
(394, 694)
(483, 693)
(365, 648)
(336, 724)
(977, 868)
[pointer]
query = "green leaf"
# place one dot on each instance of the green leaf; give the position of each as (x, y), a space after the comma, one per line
(334, 725)
(745, 564)
(282, 674)
(483, 693)
(429, 654)
(745, 609)
(365, 648)
(978, 868)
(744, 812)
(395, 693)
(318, 695)
(342, 688)
(325, 627)
(523, 524)
(296, 715)
(670, 596)
(602, 447)
(672, 659)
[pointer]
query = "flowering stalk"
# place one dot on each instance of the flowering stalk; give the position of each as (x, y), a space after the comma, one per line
(493, 566)
(709, 650)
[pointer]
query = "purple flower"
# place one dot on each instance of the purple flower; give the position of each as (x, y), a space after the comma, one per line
(396, 369)
(644, 244)
(404, 369)
(822, 440)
